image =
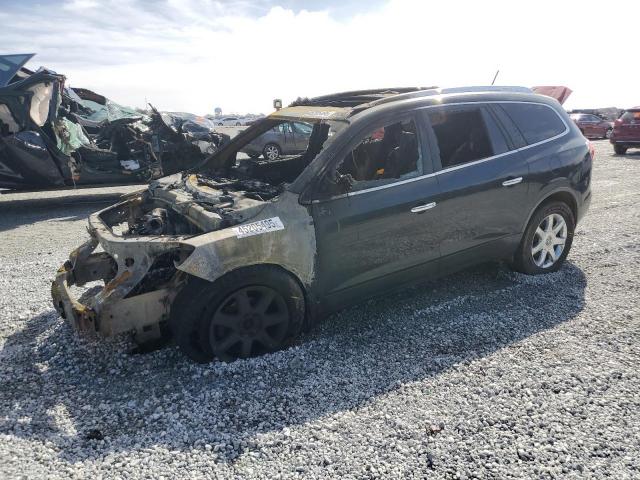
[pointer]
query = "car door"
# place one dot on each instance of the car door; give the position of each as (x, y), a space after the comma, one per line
(384, 229)
(286, 138)
(484, 183)
(593, 125)
(301, 134)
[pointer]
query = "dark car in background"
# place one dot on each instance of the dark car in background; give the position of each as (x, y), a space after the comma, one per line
(592, 126)
(285, 139)
(626, 131)
(395, 186)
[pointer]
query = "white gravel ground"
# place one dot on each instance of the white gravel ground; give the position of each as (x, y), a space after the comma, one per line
(485, 374)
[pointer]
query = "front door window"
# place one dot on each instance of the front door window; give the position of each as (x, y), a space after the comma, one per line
(387, 153)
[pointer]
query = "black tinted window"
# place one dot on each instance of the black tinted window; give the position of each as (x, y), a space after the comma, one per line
(535, 122)
(462, 135)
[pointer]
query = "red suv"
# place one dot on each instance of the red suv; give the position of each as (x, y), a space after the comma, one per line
(626, 131)
(592, 126)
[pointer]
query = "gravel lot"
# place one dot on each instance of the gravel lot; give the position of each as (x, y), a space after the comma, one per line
(485, 374)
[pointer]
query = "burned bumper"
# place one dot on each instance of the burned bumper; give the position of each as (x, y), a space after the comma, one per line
(139, 277)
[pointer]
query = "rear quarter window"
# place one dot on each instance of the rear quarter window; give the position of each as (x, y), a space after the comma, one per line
(631, 116)
(536, 122)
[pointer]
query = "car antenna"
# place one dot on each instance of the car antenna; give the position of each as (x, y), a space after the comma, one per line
(495, 76)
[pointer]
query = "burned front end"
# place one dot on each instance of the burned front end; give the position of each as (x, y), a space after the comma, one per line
(136, 249)
(232, 213)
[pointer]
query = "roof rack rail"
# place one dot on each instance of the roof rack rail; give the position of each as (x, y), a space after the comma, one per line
(444, 91)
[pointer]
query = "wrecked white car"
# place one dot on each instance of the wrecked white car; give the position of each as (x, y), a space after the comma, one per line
(235, 257)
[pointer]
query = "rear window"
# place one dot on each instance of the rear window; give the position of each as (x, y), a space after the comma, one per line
(536, 122)
(631, 115)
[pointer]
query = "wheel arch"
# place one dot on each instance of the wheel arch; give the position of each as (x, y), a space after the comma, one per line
(306, 288)
(563, 195)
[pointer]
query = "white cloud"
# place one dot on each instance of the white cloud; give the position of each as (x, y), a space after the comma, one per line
(194, 55)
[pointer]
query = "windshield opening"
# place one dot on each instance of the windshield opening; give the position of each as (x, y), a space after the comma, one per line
(274, 151)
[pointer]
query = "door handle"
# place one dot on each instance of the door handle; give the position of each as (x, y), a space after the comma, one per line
(511, 182)
(423, 208)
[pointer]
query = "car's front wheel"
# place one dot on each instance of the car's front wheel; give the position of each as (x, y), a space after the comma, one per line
(619, 149)
(547, 239)
(248, 312)
(608, 133)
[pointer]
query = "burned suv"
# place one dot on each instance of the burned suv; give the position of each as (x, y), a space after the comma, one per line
(235, 258)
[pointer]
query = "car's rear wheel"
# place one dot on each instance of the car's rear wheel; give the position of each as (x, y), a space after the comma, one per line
(619, 149)
(238, 124)
(547, 239)
(271, 151)
(248, 312)
(608, 133)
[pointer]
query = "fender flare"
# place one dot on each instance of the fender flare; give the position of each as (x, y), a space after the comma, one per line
(557, 192)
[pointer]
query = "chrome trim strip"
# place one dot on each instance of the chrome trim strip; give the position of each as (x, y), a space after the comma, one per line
(464, 165)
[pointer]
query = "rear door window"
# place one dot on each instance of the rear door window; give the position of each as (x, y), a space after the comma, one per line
(535, 121)
(631, 116)
(465, 134)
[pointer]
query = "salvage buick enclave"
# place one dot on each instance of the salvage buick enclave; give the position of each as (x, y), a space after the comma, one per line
(235, 257)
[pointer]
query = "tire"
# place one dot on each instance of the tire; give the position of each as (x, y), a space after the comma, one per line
(247, 312)
(220, 124)
(608, 133)
(238, 124)
(271, 151)
(619, 149)
(538, 238)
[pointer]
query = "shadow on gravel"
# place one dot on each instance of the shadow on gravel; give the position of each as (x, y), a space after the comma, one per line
(70, 392)
(15, 213)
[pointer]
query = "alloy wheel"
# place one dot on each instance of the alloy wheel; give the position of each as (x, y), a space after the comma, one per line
(549, 240)
(251, 321)
(271, 152)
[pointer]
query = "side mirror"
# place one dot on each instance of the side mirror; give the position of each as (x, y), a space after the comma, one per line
(343, 183)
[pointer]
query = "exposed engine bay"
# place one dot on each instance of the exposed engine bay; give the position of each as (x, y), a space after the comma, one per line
(189, 205)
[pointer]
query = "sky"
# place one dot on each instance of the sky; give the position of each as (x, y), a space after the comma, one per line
(195, 55)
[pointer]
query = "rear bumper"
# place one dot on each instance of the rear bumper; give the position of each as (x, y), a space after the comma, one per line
(584, 208)
(625, 141)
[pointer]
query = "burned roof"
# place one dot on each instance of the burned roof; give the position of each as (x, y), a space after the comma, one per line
(311, 112)
(356, 101)
(356, 97)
